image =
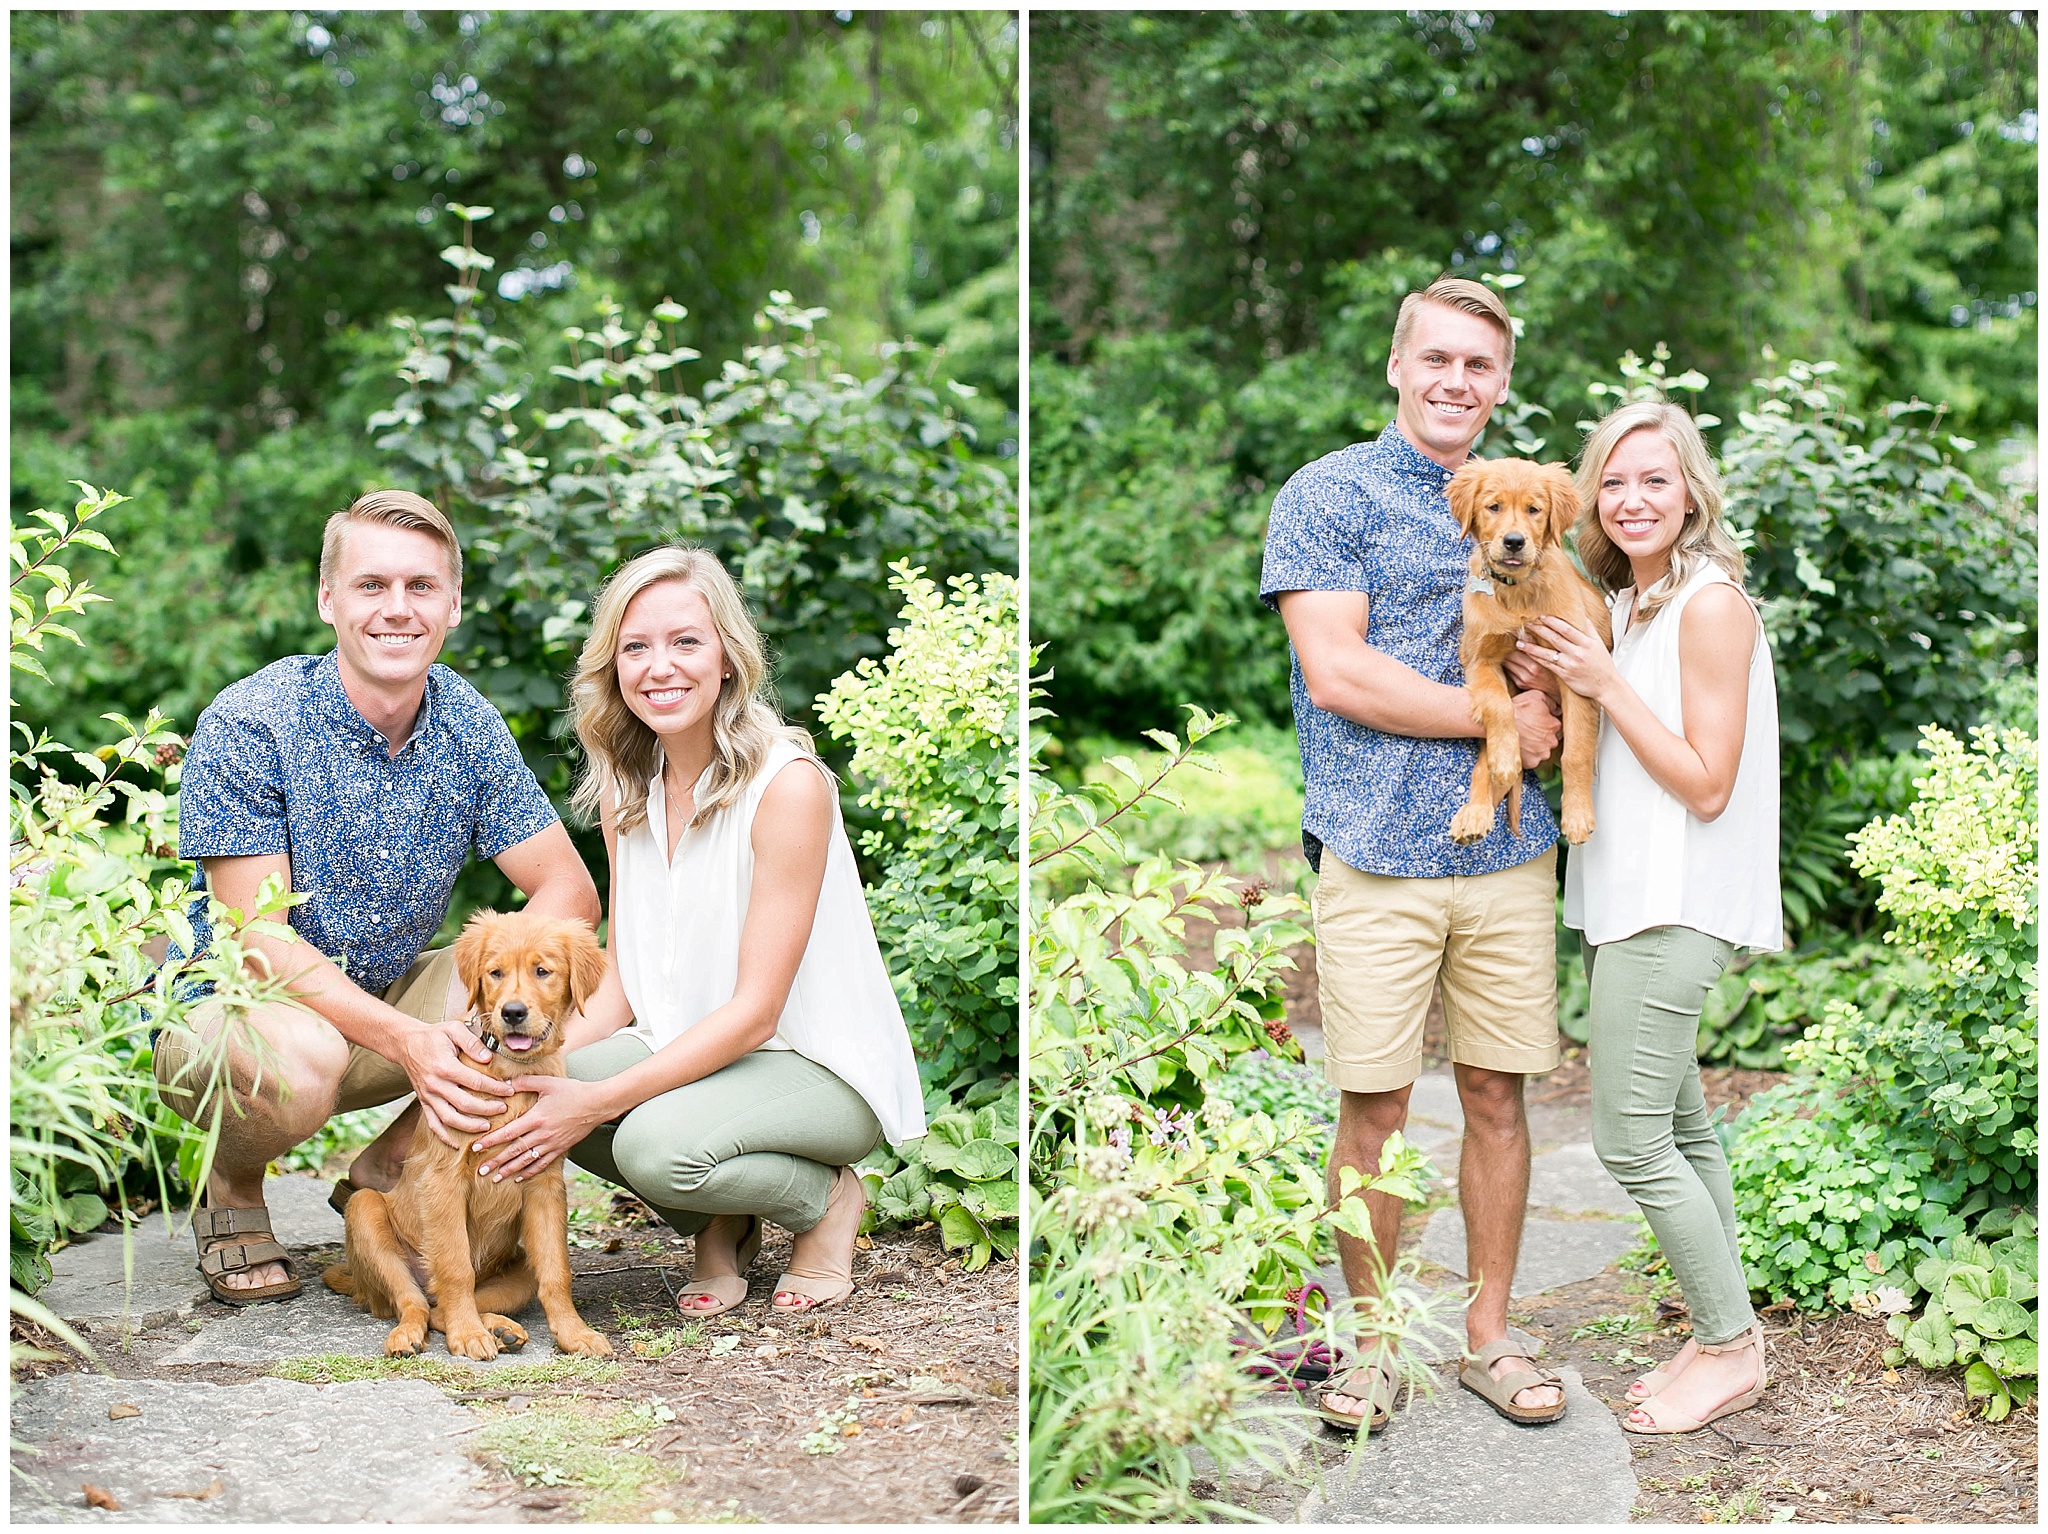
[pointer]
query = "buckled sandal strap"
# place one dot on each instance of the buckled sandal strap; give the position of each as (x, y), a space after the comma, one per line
(244, 1256)
(212, 1224)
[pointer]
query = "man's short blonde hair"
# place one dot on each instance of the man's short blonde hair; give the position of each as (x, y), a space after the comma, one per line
(394, 508)
(1462, 293)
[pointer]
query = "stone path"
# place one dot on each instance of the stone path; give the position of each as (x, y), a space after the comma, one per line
(1451, 1458)
(266, 1446)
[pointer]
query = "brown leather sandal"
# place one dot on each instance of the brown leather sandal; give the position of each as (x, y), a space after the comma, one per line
(1378, 1395)
(1477, 1377)
(215, 1264)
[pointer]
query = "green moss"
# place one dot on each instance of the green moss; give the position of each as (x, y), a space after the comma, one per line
(447, 1373)
(575, 1443)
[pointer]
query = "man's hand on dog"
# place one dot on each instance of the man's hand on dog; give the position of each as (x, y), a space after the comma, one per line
(564, 1111)
(456, 1098)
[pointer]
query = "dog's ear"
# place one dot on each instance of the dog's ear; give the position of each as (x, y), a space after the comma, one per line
(1561, 496)
(587, 963)
(470, 950)
(1466, 488)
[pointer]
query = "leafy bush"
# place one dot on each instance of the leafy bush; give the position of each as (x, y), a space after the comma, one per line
(1908, 1127)
(935, 728)
(1166, 1223)
(963, 1173)
(1262, 1082)
(92, 880)
(1243, 801)
(805, 480)
(1983, 1312)
(1760, 1007)
(1896, 590)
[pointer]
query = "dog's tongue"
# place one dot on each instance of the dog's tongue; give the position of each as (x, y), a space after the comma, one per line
(519, 1044)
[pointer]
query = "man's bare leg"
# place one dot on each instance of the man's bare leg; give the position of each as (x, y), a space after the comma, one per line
(283, 1105)
(1365, 1121)
(1493, 1190)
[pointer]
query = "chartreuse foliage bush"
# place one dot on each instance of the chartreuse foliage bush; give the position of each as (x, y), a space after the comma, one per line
(1916, 1127)
(934, 727)
(1167, 1226)
(935, 731)
(92, 880)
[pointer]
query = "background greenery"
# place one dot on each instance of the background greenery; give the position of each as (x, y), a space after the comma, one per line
(218, 216)
(1228, 208)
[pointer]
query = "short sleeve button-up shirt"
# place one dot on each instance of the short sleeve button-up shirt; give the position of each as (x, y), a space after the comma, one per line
(1373, 518)
(282, 762)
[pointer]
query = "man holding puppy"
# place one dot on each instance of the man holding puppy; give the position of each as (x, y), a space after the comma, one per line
(1367, 567)
(364, 778)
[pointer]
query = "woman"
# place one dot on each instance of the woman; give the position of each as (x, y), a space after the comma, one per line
(1681, 869)
(749, 1047)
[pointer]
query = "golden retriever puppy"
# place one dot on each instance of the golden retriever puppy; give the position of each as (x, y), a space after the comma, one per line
(447, 1250)
(1518, 512)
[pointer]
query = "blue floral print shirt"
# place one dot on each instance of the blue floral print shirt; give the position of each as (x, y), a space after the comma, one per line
(282, 762)
(1373, 517)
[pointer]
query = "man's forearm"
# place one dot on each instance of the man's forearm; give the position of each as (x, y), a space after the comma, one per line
(321, 986)
(1369, 687)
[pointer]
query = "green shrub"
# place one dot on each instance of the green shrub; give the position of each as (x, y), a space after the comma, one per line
(1982, 1314)
(963, 1174)
(1243, 800)
(1761, 1006)
(1167, 1224)
(1906, 1128)
(92, 881)
(806, 481)
(935, 728)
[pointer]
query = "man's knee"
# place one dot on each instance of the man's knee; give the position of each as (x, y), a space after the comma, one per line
(1372, 1115)
(290, 1064)
(1492, 1101)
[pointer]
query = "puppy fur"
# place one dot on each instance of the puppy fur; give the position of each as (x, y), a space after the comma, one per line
(452, 1252)
(1518, 513)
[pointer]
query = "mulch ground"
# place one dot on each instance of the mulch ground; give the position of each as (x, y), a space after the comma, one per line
(1839, 1438)
(899, 1406)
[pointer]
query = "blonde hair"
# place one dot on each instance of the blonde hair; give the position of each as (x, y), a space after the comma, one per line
(1704, 536)
(620, 752)
(1460, 293)
(393, 508)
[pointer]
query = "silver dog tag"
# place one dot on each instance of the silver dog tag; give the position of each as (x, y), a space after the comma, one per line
(1479, 585)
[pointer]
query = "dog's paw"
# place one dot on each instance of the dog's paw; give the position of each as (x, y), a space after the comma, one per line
(589, 1343)
(510, 1334)
(1578, 823)
(406, 1340)
(1471, 824)
(479, 1345)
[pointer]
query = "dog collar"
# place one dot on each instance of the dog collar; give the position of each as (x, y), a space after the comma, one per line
(495, 1045)
(1505, 580)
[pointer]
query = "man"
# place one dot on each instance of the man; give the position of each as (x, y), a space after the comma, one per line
(364, 778)
(1367, 567)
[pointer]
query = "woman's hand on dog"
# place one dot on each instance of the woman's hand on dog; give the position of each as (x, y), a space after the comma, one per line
(456, 1098)
(1576, 658)
(564, 1111)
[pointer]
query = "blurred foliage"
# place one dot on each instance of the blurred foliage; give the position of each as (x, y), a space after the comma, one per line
(216, 214)
(1263, 188)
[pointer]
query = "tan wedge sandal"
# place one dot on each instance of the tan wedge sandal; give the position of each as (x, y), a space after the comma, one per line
(813, 1290)
(728, 1289)
(1665, 1419)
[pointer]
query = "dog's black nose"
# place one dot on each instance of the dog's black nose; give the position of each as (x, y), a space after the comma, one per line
(1513, 542)
(514, 1012)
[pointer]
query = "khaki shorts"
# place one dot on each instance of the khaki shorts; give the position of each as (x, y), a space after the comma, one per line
(1489, 942)
(366, 1082)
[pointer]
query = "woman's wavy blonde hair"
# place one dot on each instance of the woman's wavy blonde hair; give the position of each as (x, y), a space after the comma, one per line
(621, 754)
(1703, 537)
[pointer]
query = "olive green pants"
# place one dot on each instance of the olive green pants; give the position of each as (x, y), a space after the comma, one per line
(1650, 1124)
(763, 1136)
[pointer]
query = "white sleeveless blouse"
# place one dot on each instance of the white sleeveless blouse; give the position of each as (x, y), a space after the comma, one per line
(1650, 862)
(677, 927)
